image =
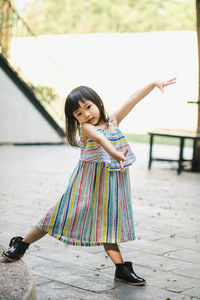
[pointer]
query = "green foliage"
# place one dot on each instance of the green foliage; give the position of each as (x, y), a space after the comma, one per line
(86, 16)
(44, 93)
(7, 18)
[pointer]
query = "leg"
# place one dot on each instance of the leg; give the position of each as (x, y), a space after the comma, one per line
(18, 245)
(113, 252)
(124, 271)
(181, 155)
(150, 151)
(34, 235)
(194, 155)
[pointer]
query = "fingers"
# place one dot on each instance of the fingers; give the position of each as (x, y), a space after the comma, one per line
(121, 166)
(166, 83)
(162, 89)
(122, 161)
(171, 81)
(125, 152)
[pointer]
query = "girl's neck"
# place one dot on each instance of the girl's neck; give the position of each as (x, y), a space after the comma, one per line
(106, 127)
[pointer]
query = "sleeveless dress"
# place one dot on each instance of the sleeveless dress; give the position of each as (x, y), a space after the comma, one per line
(96, 206)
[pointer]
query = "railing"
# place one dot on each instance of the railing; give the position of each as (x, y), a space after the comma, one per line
(28, 56)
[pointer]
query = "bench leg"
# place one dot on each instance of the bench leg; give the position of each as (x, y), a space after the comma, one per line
(193, 155)
(181, 155)
(150, 151)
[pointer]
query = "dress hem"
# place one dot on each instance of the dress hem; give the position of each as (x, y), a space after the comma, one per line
(75, 242)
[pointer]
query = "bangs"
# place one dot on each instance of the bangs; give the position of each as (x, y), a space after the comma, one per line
(73, 104)
(81, 94)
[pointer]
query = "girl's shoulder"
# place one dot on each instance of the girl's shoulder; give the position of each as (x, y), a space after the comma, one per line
(113, 120)
(84, 130)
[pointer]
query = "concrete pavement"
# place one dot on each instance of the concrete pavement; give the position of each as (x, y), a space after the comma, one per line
(166, 212)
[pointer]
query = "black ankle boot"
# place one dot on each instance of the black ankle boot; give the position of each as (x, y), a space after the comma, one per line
(124, 272)
(16, 250)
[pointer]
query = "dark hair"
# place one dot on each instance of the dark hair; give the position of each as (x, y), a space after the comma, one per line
(81, 93)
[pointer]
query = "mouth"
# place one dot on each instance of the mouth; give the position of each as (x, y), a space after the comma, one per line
(91, 120)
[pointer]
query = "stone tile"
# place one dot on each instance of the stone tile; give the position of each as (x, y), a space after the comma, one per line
(95, 249)
(164, 280)
(11, 229)
(40, 280)
(157, 262)
(154, 247)
(90, 280)
(71, 257)
(185, 255)
(184, 243)
(148, 234)
(4, 240)
(46, 242)
(18, 219)
(189, 270)
(193, 293)
(164, 205)
(176, 228)
(33, 261)
(148, 292)
(59, 291)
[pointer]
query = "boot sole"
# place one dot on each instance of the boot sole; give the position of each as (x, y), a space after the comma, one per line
(136, 284)
(7, 258)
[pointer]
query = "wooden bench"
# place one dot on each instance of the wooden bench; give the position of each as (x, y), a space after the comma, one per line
(182, 135)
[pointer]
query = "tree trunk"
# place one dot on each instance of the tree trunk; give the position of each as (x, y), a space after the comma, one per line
(5, 28)
(197, 150)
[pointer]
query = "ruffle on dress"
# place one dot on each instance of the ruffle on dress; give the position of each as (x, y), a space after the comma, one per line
(94, 152)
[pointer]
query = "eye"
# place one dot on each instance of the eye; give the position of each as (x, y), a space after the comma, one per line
(89, 106)
(78, 114)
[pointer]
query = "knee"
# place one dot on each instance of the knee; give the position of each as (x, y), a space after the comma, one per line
(111, 246)
(40, 230)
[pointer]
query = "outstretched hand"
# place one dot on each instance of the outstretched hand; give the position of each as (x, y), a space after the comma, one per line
(162, 84)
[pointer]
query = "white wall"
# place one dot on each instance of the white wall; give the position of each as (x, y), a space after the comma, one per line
(20, 121)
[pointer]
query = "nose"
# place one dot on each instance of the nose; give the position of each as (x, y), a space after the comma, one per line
(87, 114)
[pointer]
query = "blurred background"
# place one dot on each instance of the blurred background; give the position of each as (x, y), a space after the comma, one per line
(48, 47)
(115, 47)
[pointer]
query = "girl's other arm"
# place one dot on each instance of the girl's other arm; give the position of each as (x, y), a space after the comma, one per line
(119, 115)
(90, 132)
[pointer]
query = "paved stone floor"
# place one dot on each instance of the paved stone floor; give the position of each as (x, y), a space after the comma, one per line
(166, 206)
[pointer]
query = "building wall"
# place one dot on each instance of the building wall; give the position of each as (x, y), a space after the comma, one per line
(20, 121)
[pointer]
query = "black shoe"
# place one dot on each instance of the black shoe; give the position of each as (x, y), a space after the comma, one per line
(16, 250)
(124, 272)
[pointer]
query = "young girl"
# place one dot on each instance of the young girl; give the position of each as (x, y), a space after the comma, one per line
(96, 206)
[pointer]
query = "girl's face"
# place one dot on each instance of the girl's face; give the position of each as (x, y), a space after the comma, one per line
(87, 113)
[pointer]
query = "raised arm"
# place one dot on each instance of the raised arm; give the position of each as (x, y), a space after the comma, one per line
(120, 114)
(89, 132)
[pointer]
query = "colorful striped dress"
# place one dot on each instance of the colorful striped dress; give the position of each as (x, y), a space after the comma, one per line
(96, 206)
